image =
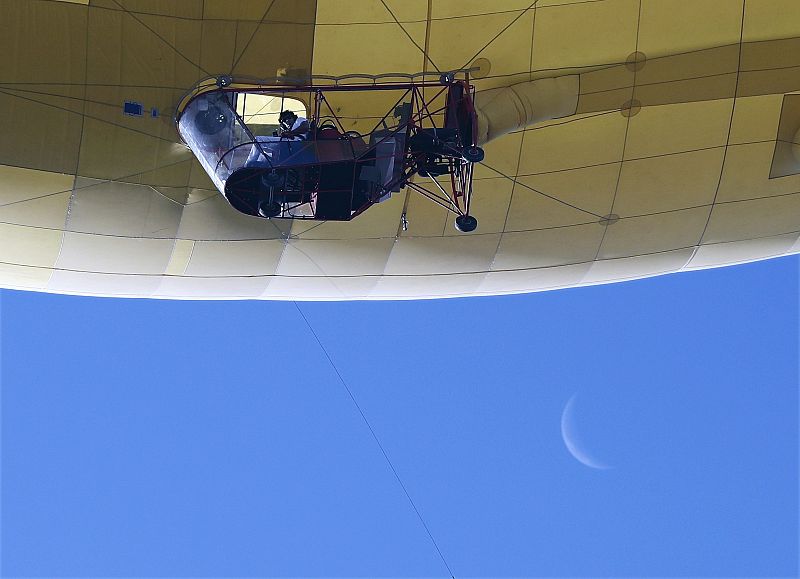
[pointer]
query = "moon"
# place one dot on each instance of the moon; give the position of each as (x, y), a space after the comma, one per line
(572, 440)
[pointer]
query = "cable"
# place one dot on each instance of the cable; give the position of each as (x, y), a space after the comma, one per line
(509, 25)
(161, 38)
(249, 40)
(414, 42)
(375, 437)
(84, 115)
(625, 137)
(730, 124)
(542, 193)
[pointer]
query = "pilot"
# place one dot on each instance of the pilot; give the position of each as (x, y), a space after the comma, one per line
(292, 126)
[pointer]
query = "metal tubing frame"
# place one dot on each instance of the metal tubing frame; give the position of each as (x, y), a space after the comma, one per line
(458, 201)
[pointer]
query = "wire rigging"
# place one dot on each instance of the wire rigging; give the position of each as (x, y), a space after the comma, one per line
(496, 36)
(730, 123)
(252, 35)
(162, 39)
(624, 138)
(375, 437)
(542, 193)
(414, 42)
(67, 110)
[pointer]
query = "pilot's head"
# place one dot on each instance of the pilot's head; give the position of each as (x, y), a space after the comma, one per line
(287, 119)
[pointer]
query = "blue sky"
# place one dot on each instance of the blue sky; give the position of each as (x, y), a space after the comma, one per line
(154, 438)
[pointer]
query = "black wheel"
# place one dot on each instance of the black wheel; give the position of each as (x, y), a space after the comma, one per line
(466, 223)
(473, 154)
(271, 179)
(447, 78)
(211, 121)
(269, 209)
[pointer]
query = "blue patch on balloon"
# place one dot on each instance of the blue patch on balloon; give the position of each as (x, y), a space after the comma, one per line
(132, 109)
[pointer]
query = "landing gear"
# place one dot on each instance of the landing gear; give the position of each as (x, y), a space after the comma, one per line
(466, 223)
(269, 209)
(473, 154)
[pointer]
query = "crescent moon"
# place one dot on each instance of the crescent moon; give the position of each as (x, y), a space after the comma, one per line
(572, 440)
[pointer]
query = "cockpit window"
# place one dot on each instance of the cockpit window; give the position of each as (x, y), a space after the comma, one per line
(260, 111)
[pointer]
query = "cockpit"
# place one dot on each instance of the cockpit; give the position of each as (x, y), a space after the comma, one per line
(324, 173)
(326, 165)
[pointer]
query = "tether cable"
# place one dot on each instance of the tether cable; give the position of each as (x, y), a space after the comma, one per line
(375, 437)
